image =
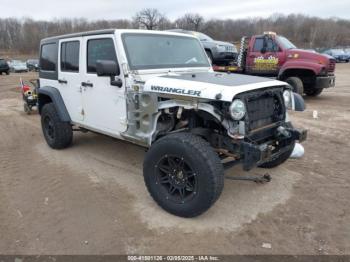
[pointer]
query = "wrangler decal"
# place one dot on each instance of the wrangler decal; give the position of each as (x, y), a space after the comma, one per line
(176, 90)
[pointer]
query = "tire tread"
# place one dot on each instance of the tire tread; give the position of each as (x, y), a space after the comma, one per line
(63, 130)
(198, 146)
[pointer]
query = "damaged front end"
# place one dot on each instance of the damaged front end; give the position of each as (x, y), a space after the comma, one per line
(263, 134)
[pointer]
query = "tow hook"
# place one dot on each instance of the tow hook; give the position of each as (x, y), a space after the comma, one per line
(283, 131)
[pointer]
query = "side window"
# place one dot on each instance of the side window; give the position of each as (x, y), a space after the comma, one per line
(48, 58)
(70, 56)
(271, 45)
(99, 49)
(258, 45)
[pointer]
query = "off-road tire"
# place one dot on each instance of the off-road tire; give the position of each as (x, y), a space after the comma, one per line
(26, 109)
(296, 84)
(313, 91)
(58, 134)
(7, 72)
(202, 160)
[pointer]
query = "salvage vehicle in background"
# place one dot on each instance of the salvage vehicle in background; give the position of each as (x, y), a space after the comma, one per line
(339, 55)
(4, 67)
(33, 64)
(272, 55)
(220, 53)
(18, 66)
(158, 90)
(347, 51)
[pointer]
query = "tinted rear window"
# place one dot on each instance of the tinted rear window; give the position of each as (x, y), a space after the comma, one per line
(48, 59)
(70, 56)
(99, 49)
(2, 62)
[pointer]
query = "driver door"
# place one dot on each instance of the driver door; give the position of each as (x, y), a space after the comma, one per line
(104, 105)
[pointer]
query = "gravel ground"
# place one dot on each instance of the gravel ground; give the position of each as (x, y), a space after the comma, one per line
(91, 199)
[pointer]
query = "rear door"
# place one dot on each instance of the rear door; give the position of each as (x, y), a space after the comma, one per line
(69, 76)
(104, 104)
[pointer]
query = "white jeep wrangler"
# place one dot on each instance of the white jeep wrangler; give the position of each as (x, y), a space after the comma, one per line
(158, 90)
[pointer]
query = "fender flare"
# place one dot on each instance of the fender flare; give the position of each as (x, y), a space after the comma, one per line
(300, 65)
(56, 98)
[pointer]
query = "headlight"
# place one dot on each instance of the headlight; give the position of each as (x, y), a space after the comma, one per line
(288, 98)
(237, 109)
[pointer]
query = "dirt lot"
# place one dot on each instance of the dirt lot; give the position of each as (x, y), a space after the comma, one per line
(91, 199)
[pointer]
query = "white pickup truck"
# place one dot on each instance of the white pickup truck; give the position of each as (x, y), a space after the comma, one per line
(158, 90)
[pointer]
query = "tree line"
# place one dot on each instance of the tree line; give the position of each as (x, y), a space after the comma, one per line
(23, 35)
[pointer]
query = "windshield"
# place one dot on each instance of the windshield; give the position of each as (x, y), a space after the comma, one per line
(285, 43)
(151, 51)
(17, 62)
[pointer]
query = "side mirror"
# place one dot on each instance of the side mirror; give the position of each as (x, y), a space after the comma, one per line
(107, 68)
(299, 102)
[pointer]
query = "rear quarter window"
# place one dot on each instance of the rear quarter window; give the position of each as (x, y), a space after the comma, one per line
(48, 58)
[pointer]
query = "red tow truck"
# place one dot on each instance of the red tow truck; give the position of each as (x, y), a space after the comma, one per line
(272, 55)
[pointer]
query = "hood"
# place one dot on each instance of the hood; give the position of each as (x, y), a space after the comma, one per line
(223, 43)
(21, 66)
(207, 85)
(305, 54)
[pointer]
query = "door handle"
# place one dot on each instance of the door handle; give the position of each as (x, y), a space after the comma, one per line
(62, 81)
(87, 84)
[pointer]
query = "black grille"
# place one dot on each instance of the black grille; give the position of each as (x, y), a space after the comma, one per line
(264, 107)
(331, 66)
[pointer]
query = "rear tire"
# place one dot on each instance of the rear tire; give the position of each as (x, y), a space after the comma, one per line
(313, 91)
(296, 84)
(58, 134)
(183, 174)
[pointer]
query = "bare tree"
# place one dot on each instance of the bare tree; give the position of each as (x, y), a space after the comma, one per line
(149, 18)
(23, 35)
(190, 22)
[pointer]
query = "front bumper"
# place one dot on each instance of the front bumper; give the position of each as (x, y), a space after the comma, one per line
(325, 81)
(224, 56)
(253, 155)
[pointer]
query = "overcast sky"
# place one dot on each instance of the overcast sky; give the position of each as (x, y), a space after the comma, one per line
(115, 9)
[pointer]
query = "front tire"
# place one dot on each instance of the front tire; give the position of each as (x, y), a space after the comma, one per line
(183, 174)
(297, 84)
(58, 134)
